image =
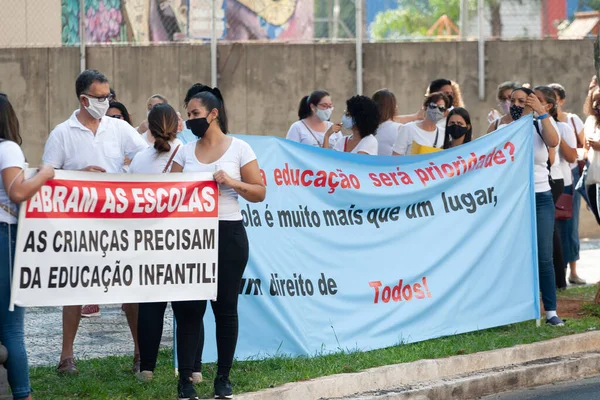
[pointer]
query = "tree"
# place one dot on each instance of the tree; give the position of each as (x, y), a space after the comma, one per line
(324, 11)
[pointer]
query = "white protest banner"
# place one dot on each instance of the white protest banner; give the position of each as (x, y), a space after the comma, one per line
(91, 238)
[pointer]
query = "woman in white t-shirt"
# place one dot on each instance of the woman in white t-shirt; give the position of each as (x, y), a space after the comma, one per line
(524, 102)
(425, 136)
(314, 113)
(14, 189)
(361, 117)
(236, 170)
(569, 229)
(387, 132)
(152, 101)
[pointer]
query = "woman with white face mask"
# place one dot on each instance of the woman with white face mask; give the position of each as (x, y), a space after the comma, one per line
(505, 89)
(313, 125)
(424, 136)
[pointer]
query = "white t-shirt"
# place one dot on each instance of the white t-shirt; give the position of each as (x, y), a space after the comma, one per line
(567, 134)
(300, 133)
(573, 119)
(409, 133)
(368, 145)
(555, 169)
(11, 155)
(148, 137)
(386, 136)
(540, 159)
(150, 161)
(237, 155)
(72, 146)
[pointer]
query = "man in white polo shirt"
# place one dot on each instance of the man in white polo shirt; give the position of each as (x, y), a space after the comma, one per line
(89, 141)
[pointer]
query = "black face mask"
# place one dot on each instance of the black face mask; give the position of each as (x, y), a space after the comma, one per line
(457, 131)
(451, 98)
(516, 111)
(198, 126)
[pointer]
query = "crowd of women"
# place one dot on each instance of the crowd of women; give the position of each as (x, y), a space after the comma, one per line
(161, 144)
(561, 143)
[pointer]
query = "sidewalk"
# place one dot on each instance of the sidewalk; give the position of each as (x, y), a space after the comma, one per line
(109, 334)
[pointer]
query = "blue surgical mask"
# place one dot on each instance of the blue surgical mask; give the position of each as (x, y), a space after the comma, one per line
(347, 122)
(324, 115)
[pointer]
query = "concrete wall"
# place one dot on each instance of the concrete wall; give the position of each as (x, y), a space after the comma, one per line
(263, 83)
(30, 23)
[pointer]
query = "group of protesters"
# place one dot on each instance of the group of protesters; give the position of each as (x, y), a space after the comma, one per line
(99, 137)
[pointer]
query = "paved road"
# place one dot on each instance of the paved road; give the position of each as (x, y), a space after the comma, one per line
(109, 334)
(585, 389)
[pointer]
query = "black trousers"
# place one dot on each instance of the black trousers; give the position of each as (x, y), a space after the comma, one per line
(150, 329)
(233, 257)
(558, 187)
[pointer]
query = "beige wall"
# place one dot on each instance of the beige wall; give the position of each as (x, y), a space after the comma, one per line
(30, 23)
(263, 83)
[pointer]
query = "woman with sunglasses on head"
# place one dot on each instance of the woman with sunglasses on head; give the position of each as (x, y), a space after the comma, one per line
(14, 189)
(424, 136)
(362, 118)
(235, 168)
(505, 89)
(545, 136)
(458, 128)
(313, 122)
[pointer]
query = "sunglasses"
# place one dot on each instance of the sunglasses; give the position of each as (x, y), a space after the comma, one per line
(116, 116)
(433, 106)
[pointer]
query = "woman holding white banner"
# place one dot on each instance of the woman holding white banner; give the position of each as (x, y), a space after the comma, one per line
(14, 189)
(236, 171)
(545, 135)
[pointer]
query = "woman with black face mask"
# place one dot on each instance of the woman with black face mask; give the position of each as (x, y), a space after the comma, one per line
(236, 170)
(545, 136)
(458, 128)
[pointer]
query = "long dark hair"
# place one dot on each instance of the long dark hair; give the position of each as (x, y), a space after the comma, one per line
(162, 123)
(121, 107)
(314, 98)
(210, 99)
(365, 114)
(550, 98)
(465, 115)
(9, 123)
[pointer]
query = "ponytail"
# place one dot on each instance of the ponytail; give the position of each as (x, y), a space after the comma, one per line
(304, 110)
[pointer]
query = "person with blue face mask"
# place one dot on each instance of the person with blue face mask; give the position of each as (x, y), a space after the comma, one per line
(314, 114)
(362, 118)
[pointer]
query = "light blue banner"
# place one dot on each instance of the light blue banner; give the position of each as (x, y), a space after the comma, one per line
(361, 252)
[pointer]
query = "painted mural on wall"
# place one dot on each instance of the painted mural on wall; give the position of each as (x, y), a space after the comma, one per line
(143, 21)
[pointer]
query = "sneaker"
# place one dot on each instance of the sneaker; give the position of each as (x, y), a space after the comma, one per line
(575, 280)
(90, 311)
(223, 388)
(144, 376)
(197, 377)
(555, 321)
(67, 367)
(186, 390)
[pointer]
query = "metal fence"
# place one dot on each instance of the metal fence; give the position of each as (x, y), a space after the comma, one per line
(29, 23)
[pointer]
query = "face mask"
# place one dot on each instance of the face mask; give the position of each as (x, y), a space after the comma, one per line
(451, 98)
(434, 114)
(505, 105)
(456, 131)
(324, 115)
(198, 126)
(96, 108)
(347, 122)
(516, 111)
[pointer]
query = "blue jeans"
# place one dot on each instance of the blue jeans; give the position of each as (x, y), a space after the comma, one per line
(12, 323)
(544, 210)
(569, 229)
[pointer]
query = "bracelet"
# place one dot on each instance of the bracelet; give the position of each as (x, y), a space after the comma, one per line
(543, 116)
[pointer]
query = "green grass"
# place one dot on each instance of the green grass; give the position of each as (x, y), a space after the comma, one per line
(111, 378)
(583, 293)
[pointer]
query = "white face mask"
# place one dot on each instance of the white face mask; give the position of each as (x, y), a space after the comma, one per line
(97, 109)
(347, 122)
(505, 107)
(324, 115)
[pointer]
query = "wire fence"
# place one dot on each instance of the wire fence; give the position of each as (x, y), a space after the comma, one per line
(29, 23)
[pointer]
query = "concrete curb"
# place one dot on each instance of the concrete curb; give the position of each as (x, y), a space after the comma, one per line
(394, 376)
(537, 373)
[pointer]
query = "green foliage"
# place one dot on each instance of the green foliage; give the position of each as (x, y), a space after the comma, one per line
(413, 17)
(324, 9)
